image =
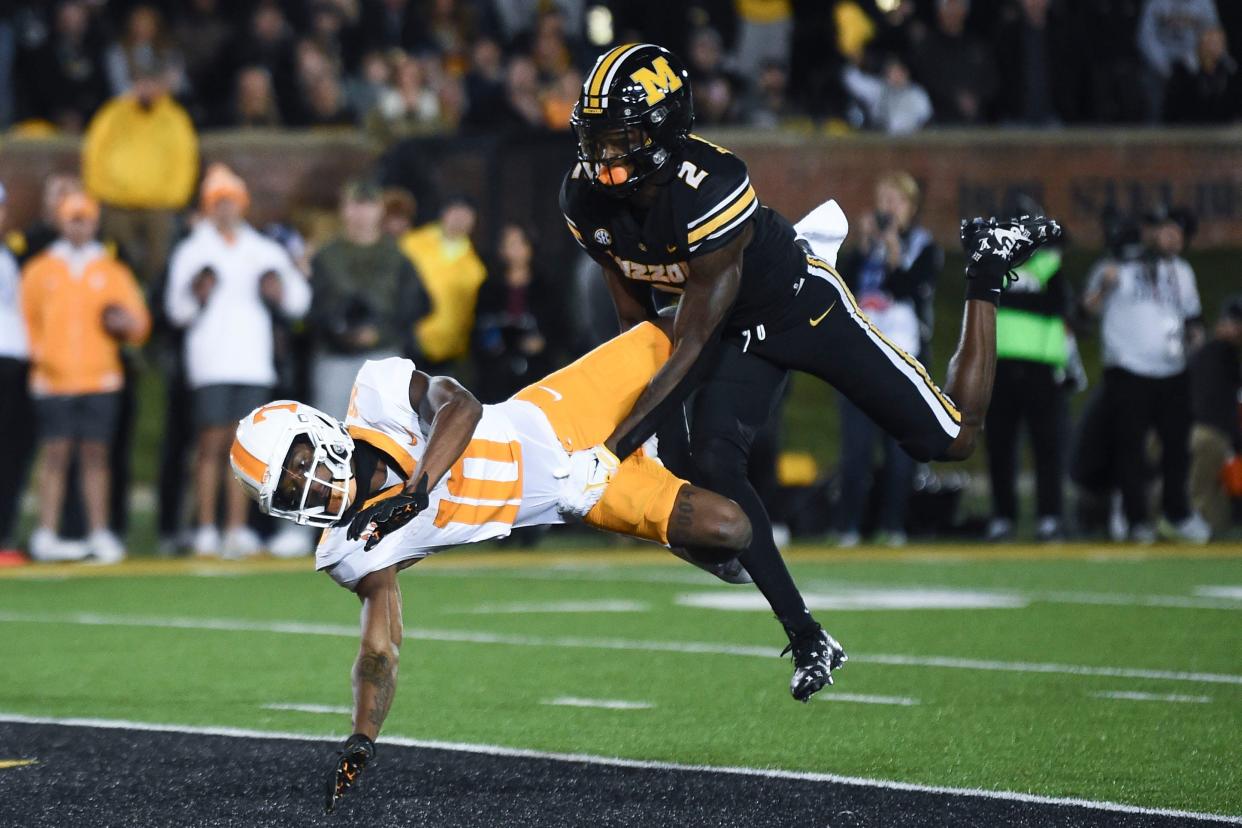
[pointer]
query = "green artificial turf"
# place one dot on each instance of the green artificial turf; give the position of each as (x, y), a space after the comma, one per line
(1039, 732)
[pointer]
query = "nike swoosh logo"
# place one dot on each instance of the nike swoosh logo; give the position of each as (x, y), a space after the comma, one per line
(671, 248)
(413, 436)
(555, 394)
(816, 321)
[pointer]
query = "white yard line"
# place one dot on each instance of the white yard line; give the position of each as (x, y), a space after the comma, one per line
(636, 645)
(1130, 695)
(1223, 598)
(333, 709)
(537, 607)
(831, 695)
(500, 750)
(1219, 591)
(604, 704)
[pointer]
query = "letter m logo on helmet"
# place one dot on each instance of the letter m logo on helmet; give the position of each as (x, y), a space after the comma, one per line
(657, 81)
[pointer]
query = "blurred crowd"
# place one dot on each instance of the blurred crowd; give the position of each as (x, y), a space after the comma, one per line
(400, 67)
(234, 316)
(144, 259)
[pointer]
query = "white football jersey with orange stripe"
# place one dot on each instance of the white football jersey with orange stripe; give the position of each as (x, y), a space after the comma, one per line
(506, 477)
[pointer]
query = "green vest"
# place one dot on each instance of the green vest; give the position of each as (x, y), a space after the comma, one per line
(1026, 335)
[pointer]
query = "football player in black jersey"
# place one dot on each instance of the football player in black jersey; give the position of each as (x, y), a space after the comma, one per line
(660, 208)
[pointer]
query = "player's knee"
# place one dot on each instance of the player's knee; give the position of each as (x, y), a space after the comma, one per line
(733, 527)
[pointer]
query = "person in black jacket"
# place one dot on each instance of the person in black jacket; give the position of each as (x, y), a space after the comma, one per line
(892, 272)
(1216, 436)
(518, 319)
(1210, 93)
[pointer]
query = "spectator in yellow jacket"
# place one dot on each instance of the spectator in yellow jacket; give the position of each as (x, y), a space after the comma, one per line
(140, 158)
(80, 304)
(452, 273)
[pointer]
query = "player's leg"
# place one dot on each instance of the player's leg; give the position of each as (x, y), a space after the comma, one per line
(645, 500)
(827, 335)
(733, 403)
(711, 529)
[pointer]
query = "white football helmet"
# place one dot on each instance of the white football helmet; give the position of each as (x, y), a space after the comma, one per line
(264, 438)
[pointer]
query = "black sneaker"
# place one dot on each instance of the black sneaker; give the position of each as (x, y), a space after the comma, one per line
(995, 247)
(815, 655)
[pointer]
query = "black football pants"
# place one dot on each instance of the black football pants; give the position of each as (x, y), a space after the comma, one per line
(822, 332)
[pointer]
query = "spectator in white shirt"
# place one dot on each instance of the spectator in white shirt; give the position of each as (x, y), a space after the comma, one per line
(1150, 319)
(225, 282)
(892, 102)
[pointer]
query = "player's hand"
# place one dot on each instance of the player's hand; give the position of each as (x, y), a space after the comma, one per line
(389, 515)
(584, 482)
(357, 752)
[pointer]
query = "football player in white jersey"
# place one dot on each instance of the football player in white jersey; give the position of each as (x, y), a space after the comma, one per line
(419, 464)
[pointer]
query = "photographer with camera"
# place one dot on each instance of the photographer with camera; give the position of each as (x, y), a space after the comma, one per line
(1150, 321)
(892, 272)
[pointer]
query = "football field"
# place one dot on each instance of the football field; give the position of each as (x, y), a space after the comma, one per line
(986, 685)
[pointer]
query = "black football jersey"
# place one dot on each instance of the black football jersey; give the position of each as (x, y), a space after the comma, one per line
(706, 204)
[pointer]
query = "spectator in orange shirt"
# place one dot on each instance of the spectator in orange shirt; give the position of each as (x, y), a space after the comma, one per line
(80, 304)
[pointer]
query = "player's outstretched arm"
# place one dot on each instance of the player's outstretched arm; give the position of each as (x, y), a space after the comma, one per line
(375, 670)
(374, 679)
(993, 250)
(709, 293)
(972, 371)
(453, 413)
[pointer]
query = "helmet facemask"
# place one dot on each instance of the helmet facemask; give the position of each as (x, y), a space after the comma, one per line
(608, 150)
(307, 502)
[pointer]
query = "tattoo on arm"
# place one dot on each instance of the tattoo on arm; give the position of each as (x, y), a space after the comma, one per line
(380, 672)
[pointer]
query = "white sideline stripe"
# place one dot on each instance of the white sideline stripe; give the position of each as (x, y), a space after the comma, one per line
(901, 701)
(639, 645)
(1130, 695)
(1234, 592)
(311, 708)
(606, 704)
(1202, 600)
(524, 753)
(1222, 598)
(535, 607)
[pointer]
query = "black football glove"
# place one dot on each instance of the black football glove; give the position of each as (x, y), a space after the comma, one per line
(994, 248)
(357, 752)
(389, 515)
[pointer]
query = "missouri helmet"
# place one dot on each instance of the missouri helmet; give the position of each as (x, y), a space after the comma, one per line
(634, 112)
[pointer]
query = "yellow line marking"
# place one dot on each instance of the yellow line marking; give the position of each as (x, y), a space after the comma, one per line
(17, 763)
(645, 556)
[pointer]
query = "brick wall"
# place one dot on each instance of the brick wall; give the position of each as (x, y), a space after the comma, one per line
(1074, 174)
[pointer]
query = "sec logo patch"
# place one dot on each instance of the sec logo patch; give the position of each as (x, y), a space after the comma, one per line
(603, 237)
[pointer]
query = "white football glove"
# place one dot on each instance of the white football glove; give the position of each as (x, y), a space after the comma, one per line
(587, 477)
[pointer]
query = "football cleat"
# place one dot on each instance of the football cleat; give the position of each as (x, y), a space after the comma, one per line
(354, 755)
(994, 248)
(815, 655)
